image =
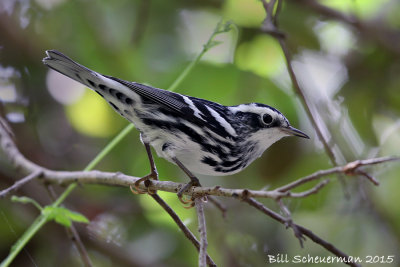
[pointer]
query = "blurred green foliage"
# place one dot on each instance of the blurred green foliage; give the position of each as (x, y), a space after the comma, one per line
(352, 81)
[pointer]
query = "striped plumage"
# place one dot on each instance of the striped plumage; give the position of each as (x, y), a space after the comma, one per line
(206, 137)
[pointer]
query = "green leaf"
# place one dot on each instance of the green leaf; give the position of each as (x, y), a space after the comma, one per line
(63, 216)
(26, 200)
(77, 217)
(63, 220)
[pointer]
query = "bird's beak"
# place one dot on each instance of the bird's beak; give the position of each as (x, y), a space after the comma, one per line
(295, 132)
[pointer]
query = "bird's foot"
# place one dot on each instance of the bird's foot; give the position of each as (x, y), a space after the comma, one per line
(135, 188)
(189, 201)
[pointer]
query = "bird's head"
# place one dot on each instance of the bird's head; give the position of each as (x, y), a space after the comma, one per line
(262, 124)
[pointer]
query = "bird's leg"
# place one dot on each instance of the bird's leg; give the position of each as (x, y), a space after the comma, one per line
(193, 182)
(153, 175)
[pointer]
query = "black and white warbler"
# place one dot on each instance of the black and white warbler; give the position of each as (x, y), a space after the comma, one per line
(198, 135)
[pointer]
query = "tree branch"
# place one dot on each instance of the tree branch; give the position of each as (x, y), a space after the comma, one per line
(202, 231)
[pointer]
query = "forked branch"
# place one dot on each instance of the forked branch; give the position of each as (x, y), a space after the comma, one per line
(29, 168)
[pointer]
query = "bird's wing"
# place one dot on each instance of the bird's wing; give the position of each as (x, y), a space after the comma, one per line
(168, 99)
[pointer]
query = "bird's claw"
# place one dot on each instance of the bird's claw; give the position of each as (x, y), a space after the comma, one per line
(189, 201)
(184, 199)
(135, 188)
(191, 205)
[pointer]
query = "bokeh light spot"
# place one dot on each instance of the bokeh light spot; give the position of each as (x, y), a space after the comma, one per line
(249, 13)
(262, 56)
(62, 88)
(91, 115)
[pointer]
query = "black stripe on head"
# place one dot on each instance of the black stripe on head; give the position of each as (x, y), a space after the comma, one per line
(266, 106)
(252, 120)
(165, 146)
(277, 123)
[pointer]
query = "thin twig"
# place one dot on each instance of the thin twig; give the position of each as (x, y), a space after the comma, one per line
(311, 191)
(358, 163)
(290, 224)
(351, 168)
(218, 205)
(308, 178)
(270, 23)
(189, 235)
(369, 177)
(300, 230)
(74, 236)
(20, 183)
(306, 104)
(202, 231)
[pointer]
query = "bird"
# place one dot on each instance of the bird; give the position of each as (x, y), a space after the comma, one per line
(197, 135)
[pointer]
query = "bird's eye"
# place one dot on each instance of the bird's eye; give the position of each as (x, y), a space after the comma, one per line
(267, 119)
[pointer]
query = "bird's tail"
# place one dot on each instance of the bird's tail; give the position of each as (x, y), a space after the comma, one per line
(66, 66)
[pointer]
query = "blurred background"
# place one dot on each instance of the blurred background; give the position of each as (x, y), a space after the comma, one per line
(347, 59)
